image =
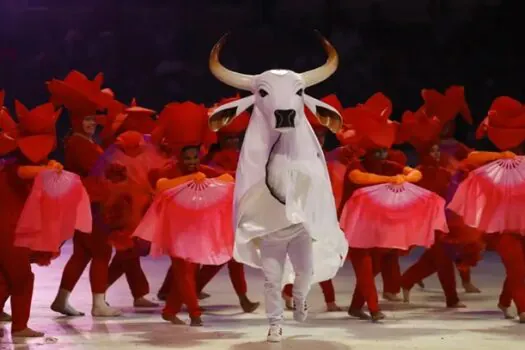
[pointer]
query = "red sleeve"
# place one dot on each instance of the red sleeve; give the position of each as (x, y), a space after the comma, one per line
(348, 186)
(80, 155)
(392, 168)
(397, 157)
(462, 151)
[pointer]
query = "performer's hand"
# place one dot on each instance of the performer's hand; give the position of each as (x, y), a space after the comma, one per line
(413, 176)
(398, 179)
(199, 177)
(54, 165)
(508, 155)
(226, 178)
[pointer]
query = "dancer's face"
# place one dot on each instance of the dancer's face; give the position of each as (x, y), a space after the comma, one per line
(435, 152)
(381, 153)
(89, 125)
(190, 159)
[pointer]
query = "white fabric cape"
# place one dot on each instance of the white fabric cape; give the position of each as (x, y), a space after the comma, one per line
(309, 197)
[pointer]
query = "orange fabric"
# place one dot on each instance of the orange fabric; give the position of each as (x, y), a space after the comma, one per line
(371, 124)
(446, 107)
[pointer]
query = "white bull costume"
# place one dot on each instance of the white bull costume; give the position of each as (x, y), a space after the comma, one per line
(284, 209)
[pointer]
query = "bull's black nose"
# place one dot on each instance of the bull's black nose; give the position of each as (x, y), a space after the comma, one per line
(284, 118)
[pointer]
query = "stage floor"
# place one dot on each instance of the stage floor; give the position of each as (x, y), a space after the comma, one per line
(425, 324)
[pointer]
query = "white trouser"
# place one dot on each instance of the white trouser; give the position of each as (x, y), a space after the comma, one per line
(273, 255)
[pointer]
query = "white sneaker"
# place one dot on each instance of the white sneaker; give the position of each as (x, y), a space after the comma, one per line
(275, 334)
(300, 312)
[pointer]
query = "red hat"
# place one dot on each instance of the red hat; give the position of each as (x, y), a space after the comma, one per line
(333, 101)
(130, 140)
(36, 130)
(83, 97)
(133, 118)
(239, 124)
(370, 123)
(420, 130)
(184, 124)
(8, 131)
(505, 123)
(446, 107)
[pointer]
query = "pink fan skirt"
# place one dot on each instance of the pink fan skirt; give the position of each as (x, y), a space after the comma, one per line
(198, 235)
(376, 218)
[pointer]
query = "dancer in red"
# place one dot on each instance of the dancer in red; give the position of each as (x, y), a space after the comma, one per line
(490, 198)
(374, 133)
(327, 287)
(35, 138)
(446, 107)
(174, 219)
(85, 101)
(140, 157)
(423, 133)
(225, 160)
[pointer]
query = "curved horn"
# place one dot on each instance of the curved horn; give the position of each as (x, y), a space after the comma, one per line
(228, 77)
(317, 75)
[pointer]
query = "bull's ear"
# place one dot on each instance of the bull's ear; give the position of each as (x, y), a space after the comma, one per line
(325, 114)
(225, 114)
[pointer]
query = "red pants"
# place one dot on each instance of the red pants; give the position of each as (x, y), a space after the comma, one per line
(505, 298)
(365, 271)
(17, 280)
(235, 270)
(326, 286)
(434, 260)
(183, 289)
(510, 249)
(92, 247)
(465, 275)
(128, 262)
(388, 264)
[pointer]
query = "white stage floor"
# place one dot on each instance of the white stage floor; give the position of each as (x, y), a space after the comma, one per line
(425, 324)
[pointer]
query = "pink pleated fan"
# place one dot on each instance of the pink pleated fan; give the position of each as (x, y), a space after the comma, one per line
(393, 216)
(57, 206)
(492, 198)
(192, 221)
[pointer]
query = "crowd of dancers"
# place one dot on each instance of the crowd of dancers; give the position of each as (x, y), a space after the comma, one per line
(145, 183)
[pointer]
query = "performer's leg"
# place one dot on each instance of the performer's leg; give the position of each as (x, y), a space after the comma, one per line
(173, 298)
(365, 289)
(505, 300)
(186, 289)
(166, 285)
(287, 296)
(301, 256)
(98, 273)
(16, 267)
(391, 274)
(329, 296)
(509, 248)
(73, 270)
(117, 268)
(466, 281)
(273, 257)
(446, 274)
(4, 295)
(423, 268)
(137, 281)
(205, 274)
(238, 279)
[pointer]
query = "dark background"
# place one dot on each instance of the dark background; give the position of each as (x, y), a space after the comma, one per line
(157, 50)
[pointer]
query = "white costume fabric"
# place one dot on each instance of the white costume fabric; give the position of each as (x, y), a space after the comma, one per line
(297, 168)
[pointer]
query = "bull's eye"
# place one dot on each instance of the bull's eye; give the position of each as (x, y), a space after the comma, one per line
(300, 92)
(263, 93)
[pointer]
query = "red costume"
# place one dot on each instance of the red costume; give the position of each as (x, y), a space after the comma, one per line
(84, 98)
(182, 126)
(226, 160)
(35, 138)
(423, 133)
(127, 257)
(505, 127)
(371, 131)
